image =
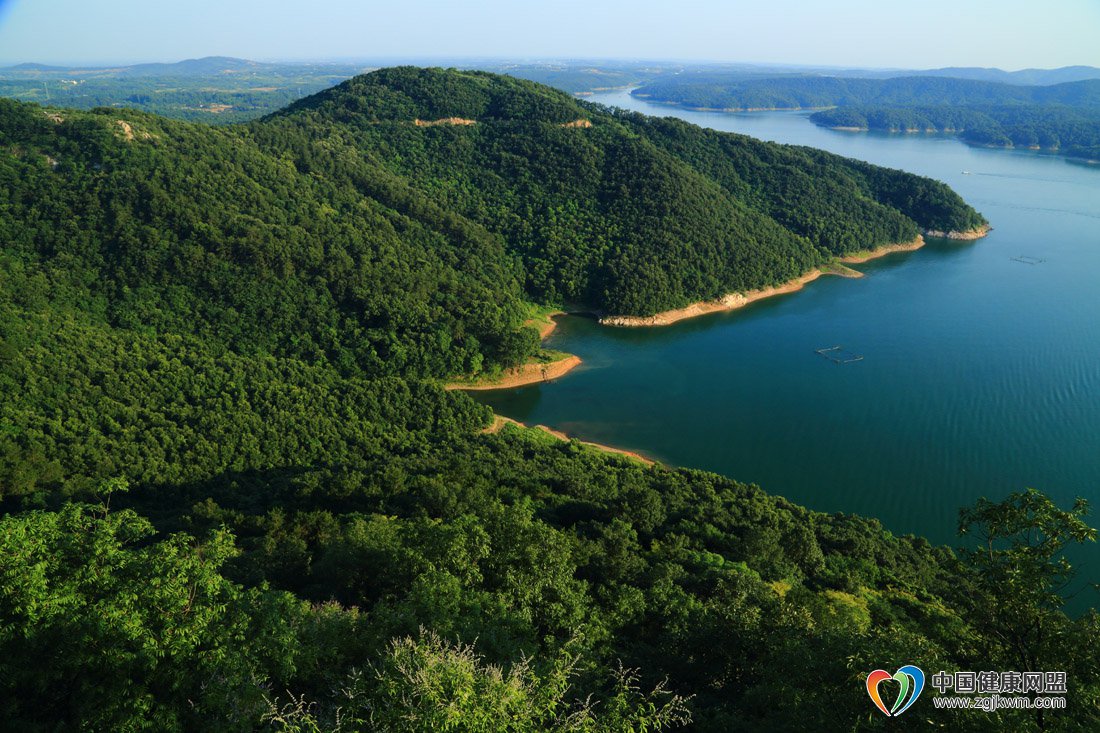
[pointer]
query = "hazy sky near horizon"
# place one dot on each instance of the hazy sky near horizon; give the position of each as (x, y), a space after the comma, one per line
(1009, 34)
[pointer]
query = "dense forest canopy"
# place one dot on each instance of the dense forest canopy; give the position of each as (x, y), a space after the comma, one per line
(236, 496)
(1070, 131)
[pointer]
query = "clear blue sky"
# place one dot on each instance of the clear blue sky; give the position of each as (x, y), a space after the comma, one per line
(1010, 34)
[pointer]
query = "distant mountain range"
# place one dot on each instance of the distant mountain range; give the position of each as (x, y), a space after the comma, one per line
(1028, 77)
(571, 75)
(203, 67)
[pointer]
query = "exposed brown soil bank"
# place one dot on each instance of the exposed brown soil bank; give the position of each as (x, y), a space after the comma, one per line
(969, 234)
(523, 375)
(444, 121)
(499, 421)
(733, 301)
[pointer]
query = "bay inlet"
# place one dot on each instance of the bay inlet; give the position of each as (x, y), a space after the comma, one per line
(981, 368)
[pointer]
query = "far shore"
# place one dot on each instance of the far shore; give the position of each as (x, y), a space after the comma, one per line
(691, 108)
(499, 421)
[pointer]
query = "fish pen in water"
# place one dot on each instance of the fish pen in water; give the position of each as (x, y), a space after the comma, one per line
(1028, 260)
(839, 355)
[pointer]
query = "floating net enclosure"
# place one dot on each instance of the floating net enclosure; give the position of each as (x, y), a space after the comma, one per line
(1028, 260)
(839, 355)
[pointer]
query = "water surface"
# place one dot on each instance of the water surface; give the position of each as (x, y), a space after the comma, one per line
(980, 376)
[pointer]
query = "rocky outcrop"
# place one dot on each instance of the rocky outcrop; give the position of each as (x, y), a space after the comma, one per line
(444, 121)
(976, 233)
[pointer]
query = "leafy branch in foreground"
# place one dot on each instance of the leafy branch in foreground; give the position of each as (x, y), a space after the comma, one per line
(430, 684)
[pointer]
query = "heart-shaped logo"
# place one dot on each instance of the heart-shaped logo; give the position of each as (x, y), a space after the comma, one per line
(911, 680)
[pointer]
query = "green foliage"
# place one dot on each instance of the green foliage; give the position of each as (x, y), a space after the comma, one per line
(1020, 580)
(1065, 129)
(354, 236)
(632, 215)
(137, 635)
(83, 401)
(429, 684)
(247, 325)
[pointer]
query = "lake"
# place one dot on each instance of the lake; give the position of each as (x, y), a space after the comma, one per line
(980, 372)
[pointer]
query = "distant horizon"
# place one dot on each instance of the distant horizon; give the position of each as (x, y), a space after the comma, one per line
(858, 34)
(425, 60)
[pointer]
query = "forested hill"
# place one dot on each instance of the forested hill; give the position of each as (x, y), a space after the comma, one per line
(713, 91)
(619, 212)
(1066, 130)
(359, 234)
(1060, 117)
(235, 496)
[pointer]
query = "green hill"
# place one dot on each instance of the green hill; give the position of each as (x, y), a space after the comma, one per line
(248, 325)
(1061, 117)
(353, 234)
(627, 214)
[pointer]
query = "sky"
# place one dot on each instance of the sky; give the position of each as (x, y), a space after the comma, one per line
(1009, 34)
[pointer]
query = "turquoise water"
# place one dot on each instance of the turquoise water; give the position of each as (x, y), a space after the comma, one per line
(980, 376)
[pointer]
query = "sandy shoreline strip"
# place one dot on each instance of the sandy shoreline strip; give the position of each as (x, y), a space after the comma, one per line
(547, 327)
(499, 421)
(730, 302)
(733, 301)
(889, 249)
(531, 373)
(523, 375)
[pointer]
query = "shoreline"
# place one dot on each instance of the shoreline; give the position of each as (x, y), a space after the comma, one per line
(532, 372)
(499, 421)
(729, 302)
(523, 375)
(889, 249)
(965, 236)
(727, 110)
(547, 327)
(733, 301)
(535, 373)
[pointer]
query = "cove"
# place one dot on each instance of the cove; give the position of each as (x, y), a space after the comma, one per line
(981, 360)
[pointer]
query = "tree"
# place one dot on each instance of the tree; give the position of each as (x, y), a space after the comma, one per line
(119, 632)
(1020, 577)
(430, 684)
